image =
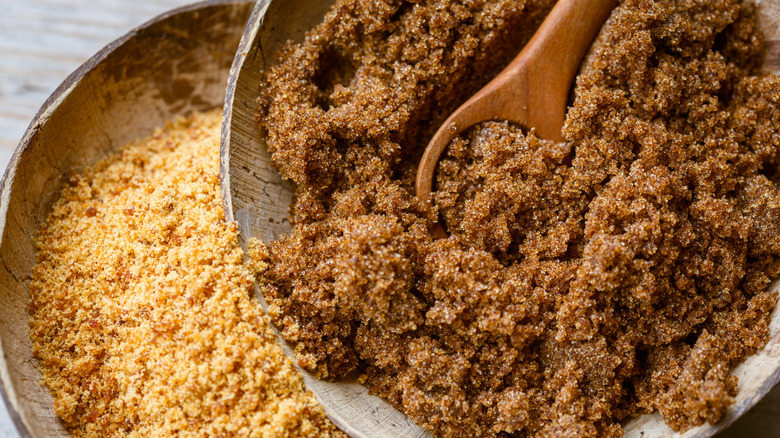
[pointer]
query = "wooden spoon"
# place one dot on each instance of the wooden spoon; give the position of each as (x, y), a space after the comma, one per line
(533, 89)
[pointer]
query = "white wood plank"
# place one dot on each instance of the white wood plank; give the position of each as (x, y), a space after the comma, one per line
(42, 41)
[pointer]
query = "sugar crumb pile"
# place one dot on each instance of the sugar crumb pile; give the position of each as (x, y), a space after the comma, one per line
(582, 284)
(142, 315)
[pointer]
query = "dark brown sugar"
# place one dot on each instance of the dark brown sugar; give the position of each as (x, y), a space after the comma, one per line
(582, 284)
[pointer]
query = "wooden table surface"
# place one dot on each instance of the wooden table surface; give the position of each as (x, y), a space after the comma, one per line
(42, 41)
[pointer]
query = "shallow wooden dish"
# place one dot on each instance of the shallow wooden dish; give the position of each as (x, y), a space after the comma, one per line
(254, 195)
(174, 64)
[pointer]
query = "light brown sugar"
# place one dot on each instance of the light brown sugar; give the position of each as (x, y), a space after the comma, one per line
(142, 313)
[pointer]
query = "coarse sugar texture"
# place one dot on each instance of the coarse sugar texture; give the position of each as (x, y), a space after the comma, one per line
(142, 314)
(345, 113)
(583, 283)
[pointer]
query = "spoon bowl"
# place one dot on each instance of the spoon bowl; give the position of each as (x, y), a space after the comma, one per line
(533, 89)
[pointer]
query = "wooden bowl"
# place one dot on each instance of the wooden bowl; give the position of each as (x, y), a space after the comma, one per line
(255, 196)
(172, 65)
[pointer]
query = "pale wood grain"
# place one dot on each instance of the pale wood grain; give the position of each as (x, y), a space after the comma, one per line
(42, 41)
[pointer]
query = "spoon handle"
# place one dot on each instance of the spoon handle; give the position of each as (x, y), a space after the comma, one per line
(534, 88)
(541, 76)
